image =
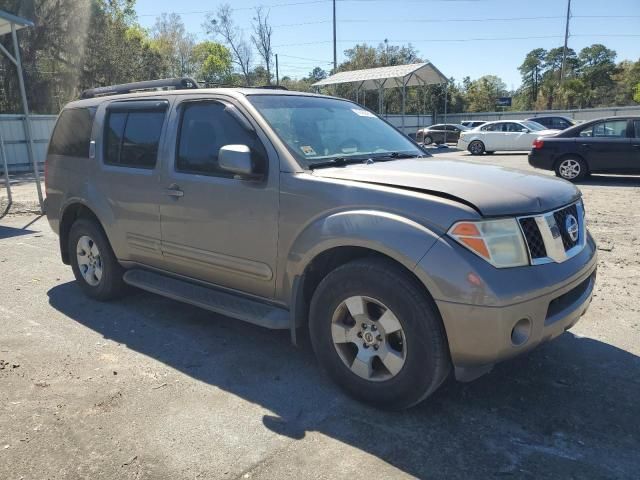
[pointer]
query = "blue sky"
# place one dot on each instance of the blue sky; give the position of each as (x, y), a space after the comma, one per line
(447, 32)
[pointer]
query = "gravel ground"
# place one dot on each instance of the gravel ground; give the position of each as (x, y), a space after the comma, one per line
(148, 388)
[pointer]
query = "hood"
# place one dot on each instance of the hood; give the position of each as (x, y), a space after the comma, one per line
(490, 189)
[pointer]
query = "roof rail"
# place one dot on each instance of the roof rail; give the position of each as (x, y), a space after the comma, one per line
(163, 84)
(271, 87)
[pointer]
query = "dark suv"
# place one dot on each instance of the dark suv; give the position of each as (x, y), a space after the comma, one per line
(554, 122)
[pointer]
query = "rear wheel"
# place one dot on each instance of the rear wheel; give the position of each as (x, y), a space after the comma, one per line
(573, 169)
(378, 335)
(93, 262)
(476, 147)
(427, 140)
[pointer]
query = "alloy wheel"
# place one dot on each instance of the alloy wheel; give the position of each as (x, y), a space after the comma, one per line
(369, 338)
(569, 169)
(89, 260)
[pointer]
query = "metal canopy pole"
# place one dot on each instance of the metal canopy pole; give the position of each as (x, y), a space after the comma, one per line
(403, 104)
(6, 174)
(446, 88)
(25, 108)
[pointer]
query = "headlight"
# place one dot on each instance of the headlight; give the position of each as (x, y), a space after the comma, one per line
(499, 242)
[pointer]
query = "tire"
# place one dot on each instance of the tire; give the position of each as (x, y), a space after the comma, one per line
(573, 169)
(427, 140)
(476, 147)
(417, 353)
(89, 249)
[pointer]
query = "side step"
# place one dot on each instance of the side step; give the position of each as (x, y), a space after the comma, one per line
(251, 311)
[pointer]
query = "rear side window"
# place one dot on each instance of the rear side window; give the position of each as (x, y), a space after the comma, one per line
(132, 138)
(72, 133)
(636, 124)
(610, 128)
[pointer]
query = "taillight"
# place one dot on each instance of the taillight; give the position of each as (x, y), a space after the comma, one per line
(538, 143)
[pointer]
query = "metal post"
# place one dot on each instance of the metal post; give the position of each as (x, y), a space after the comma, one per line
(335, 55)
(404, 88)
(277, 74)
(27, 119)
(6, 173)
(566, 38)
(446, 87)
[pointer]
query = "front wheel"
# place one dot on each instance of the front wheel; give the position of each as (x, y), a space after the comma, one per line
(427, 140)
(476, 147)
(572, 169)
(378, 335)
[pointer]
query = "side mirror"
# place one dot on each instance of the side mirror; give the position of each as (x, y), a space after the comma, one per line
(236, 159)
(525, 130)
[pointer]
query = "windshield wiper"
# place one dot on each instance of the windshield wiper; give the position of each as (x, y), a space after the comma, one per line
(338, 162)
(397, 155)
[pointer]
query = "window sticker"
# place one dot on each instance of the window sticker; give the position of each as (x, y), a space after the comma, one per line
(362, 113)
(308, 150)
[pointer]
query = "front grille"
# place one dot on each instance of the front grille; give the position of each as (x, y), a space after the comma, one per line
(533, 237)
(561, 217)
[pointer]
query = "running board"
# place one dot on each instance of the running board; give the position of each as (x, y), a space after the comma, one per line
(217, 301)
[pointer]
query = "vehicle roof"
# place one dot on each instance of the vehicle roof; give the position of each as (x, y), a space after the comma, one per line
(228, 91)
(550, 116)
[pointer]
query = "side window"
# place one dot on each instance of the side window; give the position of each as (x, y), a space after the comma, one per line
(72, 133)
(636, 128)
(132, 138)
(205, 127)
(611, 128)
(490, 128)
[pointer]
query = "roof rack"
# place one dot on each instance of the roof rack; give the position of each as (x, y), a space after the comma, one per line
(271, 87)
(163, 84)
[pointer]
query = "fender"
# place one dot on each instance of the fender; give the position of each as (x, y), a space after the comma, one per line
(395, 236)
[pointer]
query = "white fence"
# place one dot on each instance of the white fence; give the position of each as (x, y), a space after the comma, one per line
(15, 144)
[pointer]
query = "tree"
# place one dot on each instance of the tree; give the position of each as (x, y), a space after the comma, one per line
(222, 24)
(482, 93)
(174, 44)
(211, 62)
(597, 67)
(262, 39)
(316, 75)
(531, 71)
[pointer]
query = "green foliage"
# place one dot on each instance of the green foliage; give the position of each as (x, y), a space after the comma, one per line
(212, 62)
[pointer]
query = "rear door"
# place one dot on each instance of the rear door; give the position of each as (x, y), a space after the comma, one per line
(128, 179)
(606, 145)
(494, 137)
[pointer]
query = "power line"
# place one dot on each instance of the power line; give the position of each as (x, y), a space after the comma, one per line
(274, 5)
(479, 39)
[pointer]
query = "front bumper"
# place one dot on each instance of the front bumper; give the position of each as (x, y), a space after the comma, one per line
(462, 144)
(493, 314)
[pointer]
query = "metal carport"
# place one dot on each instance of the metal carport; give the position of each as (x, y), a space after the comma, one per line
(396, 76)
(11, 24)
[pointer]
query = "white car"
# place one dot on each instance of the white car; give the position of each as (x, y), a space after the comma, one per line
(507, 135)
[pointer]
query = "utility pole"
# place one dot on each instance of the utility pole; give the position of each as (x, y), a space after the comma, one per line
(566, 38)
(277, 74)
(335, 55)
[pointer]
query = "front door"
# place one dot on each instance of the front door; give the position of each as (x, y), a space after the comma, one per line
(606, 146)
(216, 227)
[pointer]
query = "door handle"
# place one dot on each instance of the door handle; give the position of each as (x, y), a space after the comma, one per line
(585, 145)
(636, 146)
(174, 191)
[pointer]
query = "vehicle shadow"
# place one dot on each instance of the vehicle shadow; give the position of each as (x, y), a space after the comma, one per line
(568, 410)
(611, 181)
(9, 232)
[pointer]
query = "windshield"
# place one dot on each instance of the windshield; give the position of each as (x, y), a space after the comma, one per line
(535, 126)
(320, 129)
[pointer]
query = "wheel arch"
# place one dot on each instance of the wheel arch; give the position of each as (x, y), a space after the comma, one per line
(363, 234)
(72, 212)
